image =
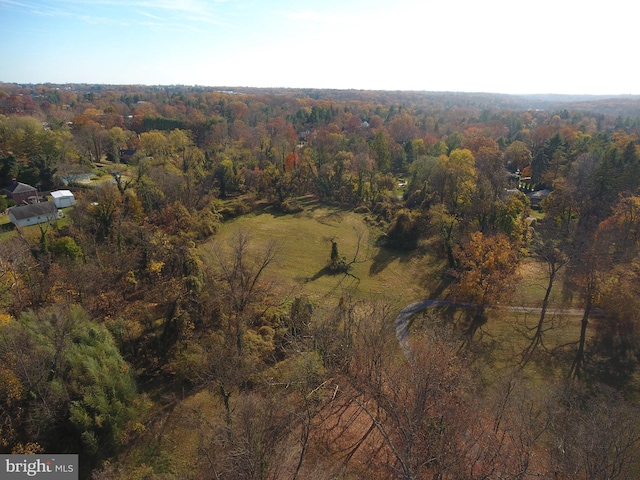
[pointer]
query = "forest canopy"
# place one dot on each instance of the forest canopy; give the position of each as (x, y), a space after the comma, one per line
(195, 316)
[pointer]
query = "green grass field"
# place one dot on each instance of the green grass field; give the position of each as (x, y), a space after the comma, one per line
(394, 277)
(399, 277)
(304, 241)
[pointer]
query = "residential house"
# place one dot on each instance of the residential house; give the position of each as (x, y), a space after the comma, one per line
(32, 214)
(21, 193)
(537, 197)
(126, 155)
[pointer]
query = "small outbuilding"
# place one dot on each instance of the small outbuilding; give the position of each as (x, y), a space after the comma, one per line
(63, 198)
(33, 214)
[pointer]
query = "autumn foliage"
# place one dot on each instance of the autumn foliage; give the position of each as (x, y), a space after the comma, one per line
(180, 349)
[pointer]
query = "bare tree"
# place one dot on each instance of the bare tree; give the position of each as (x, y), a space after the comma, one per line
(403, 418)
(72, 173)
(242, 271)
(594, 434)
(522, 417)
(416, 412)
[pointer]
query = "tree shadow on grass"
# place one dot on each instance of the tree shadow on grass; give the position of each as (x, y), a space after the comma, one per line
(385, 257)
(436, 277)
(321, 273)
(345, 278)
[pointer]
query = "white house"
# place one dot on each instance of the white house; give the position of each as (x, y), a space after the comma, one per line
(63, 198)
(33, 214)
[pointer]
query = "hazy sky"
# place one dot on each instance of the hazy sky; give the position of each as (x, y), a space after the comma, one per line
(543, 46)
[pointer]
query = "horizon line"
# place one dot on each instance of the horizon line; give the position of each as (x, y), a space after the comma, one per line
(345, 89)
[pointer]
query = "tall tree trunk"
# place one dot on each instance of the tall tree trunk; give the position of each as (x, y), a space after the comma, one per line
(578, 361)
(238, 333)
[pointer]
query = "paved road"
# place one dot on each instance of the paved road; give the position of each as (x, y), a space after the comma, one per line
(403, 319)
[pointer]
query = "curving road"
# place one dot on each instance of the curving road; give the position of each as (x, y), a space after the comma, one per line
(403, 320)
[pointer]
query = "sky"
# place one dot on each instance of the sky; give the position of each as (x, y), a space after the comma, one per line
(497, 46)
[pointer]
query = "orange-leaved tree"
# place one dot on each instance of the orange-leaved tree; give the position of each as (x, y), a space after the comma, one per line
(486, 271)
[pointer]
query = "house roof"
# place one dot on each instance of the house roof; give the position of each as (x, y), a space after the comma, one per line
(61, 194)
(19, 187)
(539, 194)
(33, 210)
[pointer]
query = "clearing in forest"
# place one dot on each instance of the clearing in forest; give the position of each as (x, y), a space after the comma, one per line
(305, 250)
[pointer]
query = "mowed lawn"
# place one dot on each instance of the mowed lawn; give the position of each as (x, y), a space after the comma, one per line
(304, 242)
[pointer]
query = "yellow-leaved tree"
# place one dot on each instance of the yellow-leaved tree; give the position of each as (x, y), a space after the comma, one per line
(487, 269)
(453, 181)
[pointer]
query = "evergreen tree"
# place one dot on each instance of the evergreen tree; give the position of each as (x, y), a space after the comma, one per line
(73, 390)
(380, 146)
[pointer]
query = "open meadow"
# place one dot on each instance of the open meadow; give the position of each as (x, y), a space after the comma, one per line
(398, 278)
(304, 244)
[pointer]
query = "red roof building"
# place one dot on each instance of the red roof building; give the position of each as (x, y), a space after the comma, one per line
(21, 193)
